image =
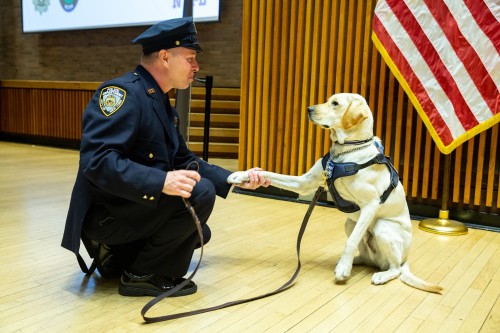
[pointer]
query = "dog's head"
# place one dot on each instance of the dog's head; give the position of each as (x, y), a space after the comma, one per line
(348, 116)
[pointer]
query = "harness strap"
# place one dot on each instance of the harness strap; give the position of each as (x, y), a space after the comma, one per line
(338, 170)
(393, 185)
(349, 169)
(285, 286)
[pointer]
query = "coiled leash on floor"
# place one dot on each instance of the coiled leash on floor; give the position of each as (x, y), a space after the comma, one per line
(287, 285)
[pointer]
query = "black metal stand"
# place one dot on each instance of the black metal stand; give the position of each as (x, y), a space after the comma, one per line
(208, 81)
(183, 96)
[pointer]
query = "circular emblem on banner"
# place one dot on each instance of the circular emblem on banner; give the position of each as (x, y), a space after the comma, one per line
(68, 5)
(41, 6)
(111, 99)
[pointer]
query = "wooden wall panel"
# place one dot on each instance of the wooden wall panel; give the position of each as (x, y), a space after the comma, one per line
(296, 53)
(48, 112)
(43, 112)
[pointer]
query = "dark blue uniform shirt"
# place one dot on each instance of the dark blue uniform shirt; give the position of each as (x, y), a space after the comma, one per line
(130, 141)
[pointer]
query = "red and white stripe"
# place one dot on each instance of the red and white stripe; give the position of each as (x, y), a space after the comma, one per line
(446, 55)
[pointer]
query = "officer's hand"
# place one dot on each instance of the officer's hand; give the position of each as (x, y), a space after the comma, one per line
(181, 182)
(255, 180)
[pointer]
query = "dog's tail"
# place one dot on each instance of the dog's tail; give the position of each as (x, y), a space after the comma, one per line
(413, 281)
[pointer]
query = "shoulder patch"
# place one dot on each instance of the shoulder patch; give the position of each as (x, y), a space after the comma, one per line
(111, 99)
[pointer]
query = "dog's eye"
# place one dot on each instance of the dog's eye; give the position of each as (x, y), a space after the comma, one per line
(335, 103)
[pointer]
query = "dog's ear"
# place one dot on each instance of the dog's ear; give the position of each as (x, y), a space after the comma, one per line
(356, 112)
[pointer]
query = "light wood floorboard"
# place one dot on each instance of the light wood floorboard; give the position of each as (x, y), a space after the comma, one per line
(252, 251)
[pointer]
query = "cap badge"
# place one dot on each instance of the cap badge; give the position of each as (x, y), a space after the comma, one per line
(111, 99)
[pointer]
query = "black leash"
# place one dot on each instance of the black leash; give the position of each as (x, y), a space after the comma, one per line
(287, 285)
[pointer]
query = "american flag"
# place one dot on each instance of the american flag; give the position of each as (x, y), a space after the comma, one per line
(446, 56)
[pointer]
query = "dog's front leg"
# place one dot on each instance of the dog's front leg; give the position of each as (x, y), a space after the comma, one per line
(344, 266)
(304, 184)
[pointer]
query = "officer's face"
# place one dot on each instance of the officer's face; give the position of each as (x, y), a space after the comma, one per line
(182, 66)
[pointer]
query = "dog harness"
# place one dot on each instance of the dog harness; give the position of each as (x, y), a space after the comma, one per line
(333, 171)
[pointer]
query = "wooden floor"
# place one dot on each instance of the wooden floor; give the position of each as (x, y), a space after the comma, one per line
(252, 251)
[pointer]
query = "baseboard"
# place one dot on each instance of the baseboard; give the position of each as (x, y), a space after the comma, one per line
(471, 219)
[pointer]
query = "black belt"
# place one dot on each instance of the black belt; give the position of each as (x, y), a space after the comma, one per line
(287, 285)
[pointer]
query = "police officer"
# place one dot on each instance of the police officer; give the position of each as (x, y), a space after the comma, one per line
(135, 168)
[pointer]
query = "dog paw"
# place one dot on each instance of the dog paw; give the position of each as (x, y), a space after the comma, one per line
(238, 177)
(343, 270)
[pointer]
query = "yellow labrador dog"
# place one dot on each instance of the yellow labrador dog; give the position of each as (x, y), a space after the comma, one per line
(364, 184)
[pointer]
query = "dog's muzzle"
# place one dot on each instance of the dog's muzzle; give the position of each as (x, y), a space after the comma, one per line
(310, 111)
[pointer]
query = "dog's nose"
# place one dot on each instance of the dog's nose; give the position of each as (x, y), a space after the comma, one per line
(310, 109)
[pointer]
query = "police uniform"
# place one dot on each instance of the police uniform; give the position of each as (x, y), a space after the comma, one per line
(130, 141)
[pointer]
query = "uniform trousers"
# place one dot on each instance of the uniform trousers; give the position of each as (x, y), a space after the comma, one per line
(152, 240)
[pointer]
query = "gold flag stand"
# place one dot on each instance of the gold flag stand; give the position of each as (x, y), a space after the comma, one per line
(442, 225)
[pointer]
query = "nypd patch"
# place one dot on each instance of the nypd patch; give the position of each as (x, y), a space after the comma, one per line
(111, 99)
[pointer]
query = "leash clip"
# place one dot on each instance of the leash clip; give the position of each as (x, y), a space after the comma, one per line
(325, 175)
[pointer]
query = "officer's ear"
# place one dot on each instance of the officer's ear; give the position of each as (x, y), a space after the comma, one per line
(163, 55)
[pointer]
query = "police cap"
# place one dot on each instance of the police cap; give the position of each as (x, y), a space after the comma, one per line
(178, 32)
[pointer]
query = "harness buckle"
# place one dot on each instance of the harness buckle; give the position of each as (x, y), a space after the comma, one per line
(380, 158)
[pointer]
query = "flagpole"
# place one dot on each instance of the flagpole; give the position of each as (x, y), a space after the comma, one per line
(443, 225)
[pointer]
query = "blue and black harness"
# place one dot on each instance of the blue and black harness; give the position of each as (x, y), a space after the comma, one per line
(333, 171)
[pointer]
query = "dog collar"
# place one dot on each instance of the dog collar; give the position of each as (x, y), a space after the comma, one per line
(378, 145)
(354, 142)
(350, 151)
